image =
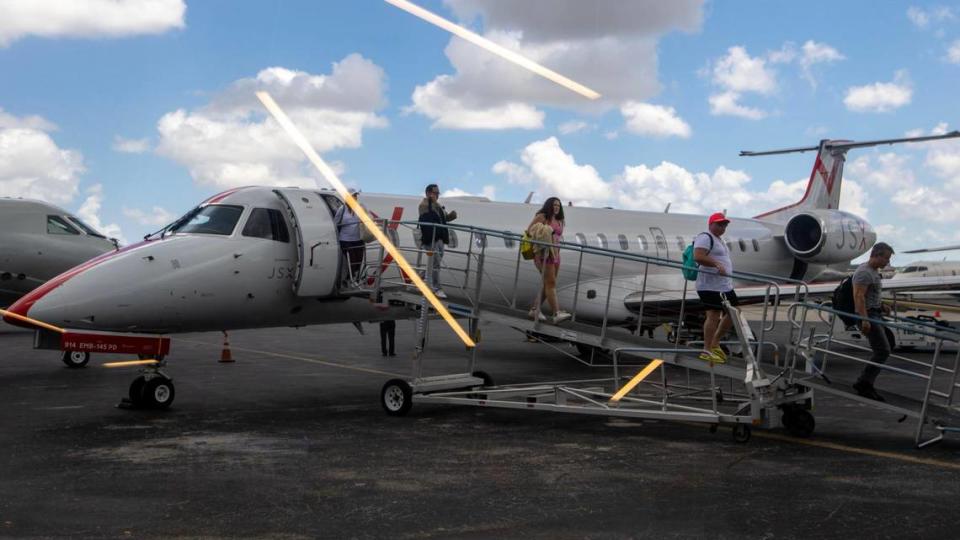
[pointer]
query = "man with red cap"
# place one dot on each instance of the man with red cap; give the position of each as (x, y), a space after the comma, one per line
(714, 284)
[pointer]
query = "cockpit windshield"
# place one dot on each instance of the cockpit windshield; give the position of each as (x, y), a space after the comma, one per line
(212, 219)
(86, 228)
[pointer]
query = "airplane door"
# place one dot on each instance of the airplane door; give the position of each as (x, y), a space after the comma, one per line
(660, 242)
(318, 252)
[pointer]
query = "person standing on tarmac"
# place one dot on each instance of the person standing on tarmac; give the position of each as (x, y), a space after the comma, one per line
(713, 285)
(388, 334)
(867, 286)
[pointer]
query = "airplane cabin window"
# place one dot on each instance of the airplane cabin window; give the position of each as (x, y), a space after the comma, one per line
(454, 242)
(643, 242)
(395, 237)
(508, 240)
(581, 239)
(680, 243)
(743, 245)
(212, 219)
(58, 225)
(602, 240)
(756, 245)
(624, 244)
(266, 223)
(417, 235)
(84, 227)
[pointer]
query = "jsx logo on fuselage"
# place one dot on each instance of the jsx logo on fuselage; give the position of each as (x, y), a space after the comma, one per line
(854, 227)
(281, 272)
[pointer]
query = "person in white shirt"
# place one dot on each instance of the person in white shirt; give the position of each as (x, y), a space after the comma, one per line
(351, 242)
(714, 284)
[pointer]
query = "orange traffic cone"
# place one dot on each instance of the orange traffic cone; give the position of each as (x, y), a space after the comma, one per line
(225, 355)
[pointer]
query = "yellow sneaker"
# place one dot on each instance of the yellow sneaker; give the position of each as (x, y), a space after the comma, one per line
(718, 352)
(708, 356)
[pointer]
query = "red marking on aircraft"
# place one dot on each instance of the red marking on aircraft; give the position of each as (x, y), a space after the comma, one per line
(397, 214)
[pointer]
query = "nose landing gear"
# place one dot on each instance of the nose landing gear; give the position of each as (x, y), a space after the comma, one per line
(153, 389)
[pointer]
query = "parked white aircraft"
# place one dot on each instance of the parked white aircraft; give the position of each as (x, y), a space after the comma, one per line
(39, 241)
(266, 257)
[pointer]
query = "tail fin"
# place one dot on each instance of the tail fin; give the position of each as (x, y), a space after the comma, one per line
(823, 189)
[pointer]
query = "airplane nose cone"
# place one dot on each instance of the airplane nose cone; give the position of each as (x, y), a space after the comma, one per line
(63, 300)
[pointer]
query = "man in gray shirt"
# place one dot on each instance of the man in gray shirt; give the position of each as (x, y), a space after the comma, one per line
(867, 286)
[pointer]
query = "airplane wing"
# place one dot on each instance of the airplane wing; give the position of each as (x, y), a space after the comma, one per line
(931, 250)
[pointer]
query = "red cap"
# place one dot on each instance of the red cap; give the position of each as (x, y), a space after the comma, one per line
(717, 217)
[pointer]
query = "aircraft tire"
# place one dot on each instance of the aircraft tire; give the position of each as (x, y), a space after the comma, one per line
(741, 433)
(75, 359)
(158, 393)
(136, 391)
(798, 422)
(396, 397)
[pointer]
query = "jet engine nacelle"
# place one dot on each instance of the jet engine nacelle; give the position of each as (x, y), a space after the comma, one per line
(828, 236)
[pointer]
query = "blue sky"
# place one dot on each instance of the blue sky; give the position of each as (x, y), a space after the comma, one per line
(131, 112)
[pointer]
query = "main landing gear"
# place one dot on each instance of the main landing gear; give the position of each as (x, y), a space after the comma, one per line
(153, 389)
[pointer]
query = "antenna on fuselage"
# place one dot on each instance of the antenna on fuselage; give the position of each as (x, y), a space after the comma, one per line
(529, 197)
(667, 209)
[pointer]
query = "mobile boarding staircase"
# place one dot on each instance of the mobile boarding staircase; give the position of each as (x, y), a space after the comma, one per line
(927, 389)
(645, 378)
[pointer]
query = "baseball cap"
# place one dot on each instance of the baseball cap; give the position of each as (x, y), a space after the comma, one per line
(717, 217)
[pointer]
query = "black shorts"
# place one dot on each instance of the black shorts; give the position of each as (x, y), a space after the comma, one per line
(711, 299)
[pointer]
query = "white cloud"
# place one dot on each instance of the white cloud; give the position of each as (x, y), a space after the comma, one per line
(922, 18)
(616, 55)
(488, 191)
(89, 212)
(886, 171)
(726, 103)
(516, 174)
(556, 173)
(926, 204)
(816, 53)
(611, 135)
(653, 120)
(953, 53)
(131, 146)
(573, 126)
(880, 97)
(89, 18)
(31, 163)
(918, 17)
(231, 142)
(434, 101)
(8, 121)
(157, 215)
(739, 72)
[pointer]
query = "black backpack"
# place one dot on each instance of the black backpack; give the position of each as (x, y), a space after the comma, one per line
(843, 300)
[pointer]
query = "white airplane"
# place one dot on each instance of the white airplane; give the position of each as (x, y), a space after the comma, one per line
(266, 257)
(39, 241)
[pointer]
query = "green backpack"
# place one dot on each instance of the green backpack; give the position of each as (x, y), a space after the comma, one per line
(690, 266)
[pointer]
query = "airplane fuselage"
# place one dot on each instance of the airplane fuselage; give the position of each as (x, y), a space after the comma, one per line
(200, 281)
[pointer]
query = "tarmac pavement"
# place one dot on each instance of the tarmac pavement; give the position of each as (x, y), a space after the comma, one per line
(290, 441)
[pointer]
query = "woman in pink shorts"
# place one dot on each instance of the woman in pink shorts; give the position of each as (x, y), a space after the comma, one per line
(547, 259)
